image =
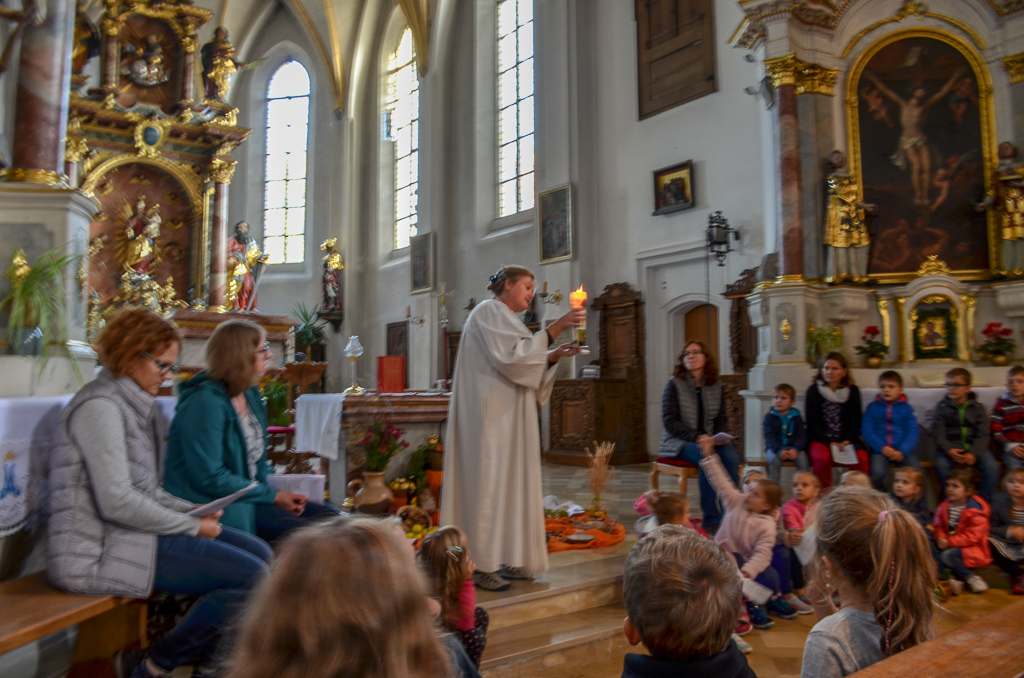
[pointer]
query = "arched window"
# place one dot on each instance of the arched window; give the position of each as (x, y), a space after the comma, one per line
(284, 198)
(402, 126)
(515, 106)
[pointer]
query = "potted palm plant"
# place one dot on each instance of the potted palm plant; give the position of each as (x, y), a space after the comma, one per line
(36, 303)
(822, 340)
(309, 333)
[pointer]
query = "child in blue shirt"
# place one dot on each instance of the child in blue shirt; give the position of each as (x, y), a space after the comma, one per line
(890, 429)
(785, 438)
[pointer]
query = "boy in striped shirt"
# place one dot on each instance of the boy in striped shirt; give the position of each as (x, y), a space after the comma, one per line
(1008, 419)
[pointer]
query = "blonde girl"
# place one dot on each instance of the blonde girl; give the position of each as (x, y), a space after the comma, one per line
(876, 557)
(444, 557)
(667, 508)
(344, 600)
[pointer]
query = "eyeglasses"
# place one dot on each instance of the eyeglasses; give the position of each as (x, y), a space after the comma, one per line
(162, 366)
(952, 384)
(264, 349)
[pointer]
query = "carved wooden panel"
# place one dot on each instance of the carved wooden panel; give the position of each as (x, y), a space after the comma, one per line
(675, 52)
(620, 337)
(732, 384)
(573, 410)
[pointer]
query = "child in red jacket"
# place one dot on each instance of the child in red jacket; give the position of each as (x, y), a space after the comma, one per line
(961, 530)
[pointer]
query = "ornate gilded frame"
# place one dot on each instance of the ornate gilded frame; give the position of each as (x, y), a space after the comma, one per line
(986, 107)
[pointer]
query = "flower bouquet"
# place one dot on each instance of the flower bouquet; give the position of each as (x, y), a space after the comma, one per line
(998, 345)
(381, 442)
(871, 349)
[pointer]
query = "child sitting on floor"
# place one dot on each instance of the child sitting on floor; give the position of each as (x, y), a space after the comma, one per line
(796, 518)
(681, 593)
(889, 428)
(1008, 419)
(876, 557)
(908, 493)
(444, 557)
(961, 530)
(666, 508)
(1007, 533)
(748, 532)
(785, 438)
(856, 479)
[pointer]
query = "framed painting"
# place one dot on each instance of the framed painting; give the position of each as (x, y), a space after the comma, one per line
(933, 323)
(421, 262)
(921, 140)
(673, 188)
(555, 218)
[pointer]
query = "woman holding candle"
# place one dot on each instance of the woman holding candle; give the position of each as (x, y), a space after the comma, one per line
(492, 479)
(693, 410)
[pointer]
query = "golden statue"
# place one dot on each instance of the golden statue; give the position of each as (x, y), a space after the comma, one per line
(330, 277)
(1006, 197)
(141, 229)
(19, 268)
(219, 64)
(245, 260)
(846, 233)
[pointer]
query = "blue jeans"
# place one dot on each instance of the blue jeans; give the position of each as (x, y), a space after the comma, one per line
(220, 572)
(803, 463)
(709, 504)
(782, 565)
(985, 463)
(273, 522)
(954, 560)
(769, 576)
(880, 467)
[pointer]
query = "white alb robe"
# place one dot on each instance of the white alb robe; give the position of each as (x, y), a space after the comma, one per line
(492, 465)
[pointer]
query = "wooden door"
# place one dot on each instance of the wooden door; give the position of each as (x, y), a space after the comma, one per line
(702, 323)
(676, 52)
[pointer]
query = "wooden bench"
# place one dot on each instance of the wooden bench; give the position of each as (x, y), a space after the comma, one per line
(32, 609)
(989, 647)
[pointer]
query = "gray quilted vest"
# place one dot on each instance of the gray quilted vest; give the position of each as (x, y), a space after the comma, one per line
(86, 554)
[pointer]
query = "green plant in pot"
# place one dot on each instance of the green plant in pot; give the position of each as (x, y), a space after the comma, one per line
(36, 304)
(822, 340)
(309, 331)
(275, 392)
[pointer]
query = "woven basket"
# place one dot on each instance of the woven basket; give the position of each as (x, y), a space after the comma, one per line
(414, 515)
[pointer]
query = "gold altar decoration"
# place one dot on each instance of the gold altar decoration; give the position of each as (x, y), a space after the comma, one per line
(1014, 65)
(809, 78)
(986, 108)
(149, 133)
(786, 329)
(883, 310)
(222, 171)
(920, 10)
(933, 266)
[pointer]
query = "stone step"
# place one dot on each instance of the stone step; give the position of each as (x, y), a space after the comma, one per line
(574, 639)
(558, 591)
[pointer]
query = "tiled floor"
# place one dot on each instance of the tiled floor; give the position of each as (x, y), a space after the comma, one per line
(777, 651)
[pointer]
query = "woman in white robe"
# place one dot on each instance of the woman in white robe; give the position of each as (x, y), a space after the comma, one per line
(492, 461)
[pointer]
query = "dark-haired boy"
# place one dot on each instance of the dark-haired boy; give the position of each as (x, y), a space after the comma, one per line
(1008, 419)
(785, 436)
(681, 593)
(890, 429)
(960, 426)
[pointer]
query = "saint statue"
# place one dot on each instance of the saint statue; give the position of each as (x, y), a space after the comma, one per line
(144, 64)
(142, 228)
(244, 262)
(86, 41)
(219, 64)
(1006, 197)
(330, 277)
(846, 234)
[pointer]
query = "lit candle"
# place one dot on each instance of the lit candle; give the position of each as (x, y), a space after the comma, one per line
(545, 291)
(578, 299)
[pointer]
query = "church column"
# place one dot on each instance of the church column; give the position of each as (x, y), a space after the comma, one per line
(41, 109)
(188, 73)
(110, 55)
(783, 72)
(221, 171)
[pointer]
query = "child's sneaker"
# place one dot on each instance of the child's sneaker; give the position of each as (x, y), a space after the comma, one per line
(759, 616)
(780, 608)
(743, 645)
(800, 606)
(957, 586)
(977, 584)
(743, 625)
(1018, 586)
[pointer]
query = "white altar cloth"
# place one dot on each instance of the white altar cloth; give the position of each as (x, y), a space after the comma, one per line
(318, 423)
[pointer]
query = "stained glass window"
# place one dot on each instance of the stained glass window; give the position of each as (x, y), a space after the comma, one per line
(402, 125)
(284, 196)
(515, 106)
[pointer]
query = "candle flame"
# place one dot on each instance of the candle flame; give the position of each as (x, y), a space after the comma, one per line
(580, 290)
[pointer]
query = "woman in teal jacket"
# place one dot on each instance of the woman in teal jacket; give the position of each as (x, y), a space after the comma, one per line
(218, 439)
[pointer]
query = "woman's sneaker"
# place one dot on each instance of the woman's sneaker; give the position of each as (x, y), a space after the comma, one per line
(743, 645)
(490, 581)
(507, 572)
(977, 584)
(780, 608)
(800, 606)
(759, 616)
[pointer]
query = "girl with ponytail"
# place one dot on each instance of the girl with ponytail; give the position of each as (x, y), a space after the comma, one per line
(876, 557)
